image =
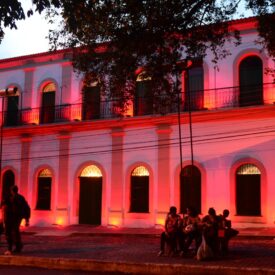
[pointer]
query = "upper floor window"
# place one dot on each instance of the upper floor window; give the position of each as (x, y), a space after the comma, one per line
(12, 109)
(91, 101)
(194, 86)
(143, 104)
(251, 81)
(47, 114)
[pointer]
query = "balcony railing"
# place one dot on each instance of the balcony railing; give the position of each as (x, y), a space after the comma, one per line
(230, 97)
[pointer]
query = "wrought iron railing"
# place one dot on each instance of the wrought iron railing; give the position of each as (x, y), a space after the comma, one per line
(230, 97)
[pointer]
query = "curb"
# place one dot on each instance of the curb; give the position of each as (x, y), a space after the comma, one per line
(128, 267)
(145, 235)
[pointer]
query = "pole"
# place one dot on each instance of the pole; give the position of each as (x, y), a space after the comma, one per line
(1, 143)
(190, 122)
(179, 117)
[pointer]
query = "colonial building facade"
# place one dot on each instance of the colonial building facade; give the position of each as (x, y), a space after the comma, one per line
(78, 161)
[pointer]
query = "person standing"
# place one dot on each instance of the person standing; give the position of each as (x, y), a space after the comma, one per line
(7, 221)
(14, 208)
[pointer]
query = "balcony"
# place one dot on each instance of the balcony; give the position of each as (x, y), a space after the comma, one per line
(230, 97)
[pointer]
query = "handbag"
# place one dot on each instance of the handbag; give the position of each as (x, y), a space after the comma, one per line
(204, 251)
(221, 233)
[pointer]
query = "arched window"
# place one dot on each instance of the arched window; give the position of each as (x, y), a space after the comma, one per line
(12, 109)
(194, 86)
(44, 189)
(139, 193)
(91, 101)
(90, 195)
(143, 104)
(248, 190)
(91, 171)
(190, 188)
(251, 81)
(8, 181)
(48, 103)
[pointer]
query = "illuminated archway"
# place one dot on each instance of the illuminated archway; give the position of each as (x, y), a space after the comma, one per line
(91, 171)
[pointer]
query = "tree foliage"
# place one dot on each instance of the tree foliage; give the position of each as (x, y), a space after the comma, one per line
(150, 34)
(114, 39)
(11, 11)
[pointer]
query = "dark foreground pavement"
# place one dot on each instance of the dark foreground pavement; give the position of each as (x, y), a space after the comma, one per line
(134, 251)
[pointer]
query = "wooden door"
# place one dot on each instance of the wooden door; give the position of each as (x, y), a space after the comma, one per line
(139, 194)
(44, 193)
(12, 111)
(251, 81)
(248, 195)
(48, 107)
(190, 189)
(91, 103)
(90, 200)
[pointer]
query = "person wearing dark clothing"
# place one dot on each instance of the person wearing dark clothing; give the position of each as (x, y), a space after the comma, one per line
(210, 229)
(7, 222)
(13, 215)
(190, 230)
(227, 232)
(171, 230)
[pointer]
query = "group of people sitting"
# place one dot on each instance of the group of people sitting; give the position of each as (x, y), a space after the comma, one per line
(211, 234)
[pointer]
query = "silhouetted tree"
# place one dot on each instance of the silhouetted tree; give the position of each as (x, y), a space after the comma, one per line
(112, 40)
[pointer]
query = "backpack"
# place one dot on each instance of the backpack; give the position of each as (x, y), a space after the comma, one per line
(25, 210)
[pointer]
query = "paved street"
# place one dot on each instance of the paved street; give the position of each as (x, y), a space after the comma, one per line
(137, 253)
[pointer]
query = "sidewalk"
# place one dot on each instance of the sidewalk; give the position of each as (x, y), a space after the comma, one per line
(134, 251)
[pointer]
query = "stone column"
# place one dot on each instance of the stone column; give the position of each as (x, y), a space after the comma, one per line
(62, 207)
(163, 176)
(25, 165)
(117, 180)
(65, 92)
(26, 97)
(28, 88)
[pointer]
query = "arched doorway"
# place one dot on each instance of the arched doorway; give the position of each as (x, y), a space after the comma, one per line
(8, 181)
(251, 81)
(47, 114)
(190, 188)
(143, 104)
(248, 190)
(139, 192)
(91, 101)
(90, 196)
(12, 109)
(44, 190)
(194, 86)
